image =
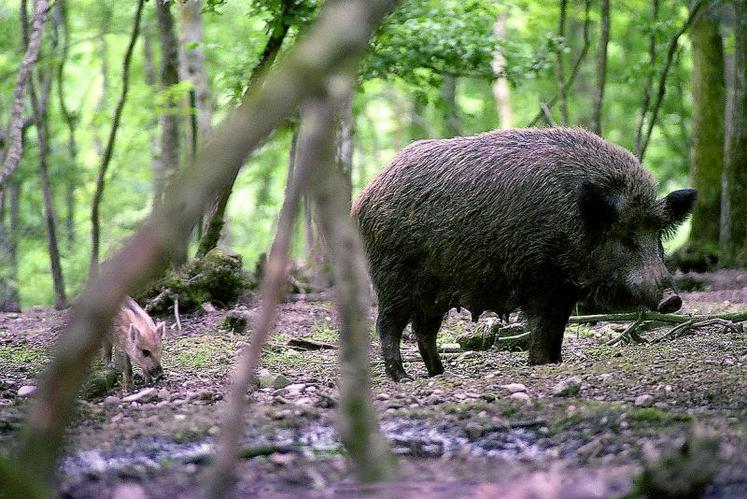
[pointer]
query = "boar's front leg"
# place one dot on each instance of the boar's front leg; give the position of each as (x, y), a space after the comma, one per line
(390, 323)
(547, 321)
(426, 329)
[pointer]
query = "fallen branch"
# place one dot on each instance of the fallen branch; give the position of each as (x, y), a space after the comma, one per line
(302, 344)
(655, 316)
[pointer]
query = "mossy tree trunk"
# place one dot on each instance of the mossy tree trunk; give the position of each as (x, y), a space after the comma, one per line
(733, 237)
(706, 144)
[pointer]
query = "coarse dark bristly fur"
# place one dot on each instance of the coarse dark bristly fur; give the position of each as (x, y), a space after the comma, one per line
(530, 218)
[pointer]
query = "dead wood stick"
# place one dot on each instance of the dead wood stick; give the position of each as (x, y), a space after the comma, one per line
(655, 316)
(176, 314)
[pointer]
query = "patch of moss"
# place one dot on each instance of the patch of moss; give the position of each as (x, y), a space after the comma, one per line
(653, 415)
(198, 352)
(21, 355)
(324, 333)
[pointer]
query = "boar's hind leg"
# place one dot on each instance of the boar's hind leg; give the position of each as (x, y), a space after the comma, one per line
(425, 329)
(389, 324)
(547, 324)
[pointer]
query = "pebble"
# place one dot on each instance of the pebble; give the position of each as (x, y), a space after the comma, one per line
(567, 387)
(466, 355)
(473, 430)
(164, 394)
(26, 390)
(450, 347)
(117, 418)
(142, 396)
(520, 396)
(644, 400)
(295, 388)
(514, 387)
(129, 491)
(280, 381)
(112, 400)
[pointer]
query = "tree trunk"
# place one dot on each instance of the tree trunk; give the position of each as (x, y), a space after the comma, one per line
(733, 242)
(71, 122)
(560, 64)
(9, 297)
(40, 106)
(451, 109)
(501, 89)
(150, 80)
(604, 37)
(649, 79)
(706, 144)
(169, 76)
(418, 128)
(214, 215)
(14, 147)
(109, 149)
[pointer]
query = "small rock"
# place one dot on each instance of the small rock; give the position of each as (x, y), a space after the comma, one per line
(112, 400)
(163, 403)
(567, 387)
(305, 401)
(473, 430)
(142, 396)
(295, 388)
(164, 394)
(450, 348)
(26, 390)
(117, 418)
(521, 396)
(605, 376)
(280, 381)
(466, 355)
(514, 387)
(644, 400)
(129, 491)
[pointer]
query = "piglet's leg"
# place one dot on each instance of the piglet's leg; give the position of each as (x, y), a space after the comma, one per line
(106, 352)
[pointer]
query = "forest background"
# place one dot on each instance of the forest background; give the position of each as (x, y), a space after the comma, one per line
(663, 79)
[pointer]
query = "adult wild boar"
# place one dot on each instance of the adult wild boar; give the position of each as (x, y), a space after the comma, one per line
(532, 218)
(137, 340)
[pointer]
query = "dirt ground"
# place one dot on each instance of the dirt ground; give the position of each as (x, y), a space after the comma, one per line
(462, 434)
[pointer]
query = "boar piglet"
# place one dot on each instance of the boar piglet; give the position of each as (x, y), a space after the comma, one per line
(534, 218)
(137, 340)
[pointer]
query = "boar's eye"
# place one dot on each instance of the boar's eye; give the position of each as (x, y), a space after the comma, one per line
(146, 353)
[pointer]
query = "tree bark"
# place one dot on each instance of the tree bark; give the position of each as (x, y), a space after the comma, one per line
(150, 80)
(604, 37)
(560, 64)
(451, 109)
(71, 122)
(109, 150)
(649, 79)
(501, 89)
(9, 297)
(214, 216)
(14, 147)
(733, 241)
(336, 40)
(169, 141)
(706, 144)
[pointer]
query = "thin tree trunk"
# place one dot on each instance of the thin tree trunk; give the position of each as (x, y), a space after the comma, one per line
(101, 106)
(451, 109)
(604, 37)
(71, 122)
(662, 84)
(574, 71)
(214, 216)
(40, 106)
(150, 80)
(169, 76)
(501, 89)
(9, 296)
(14, 147)
(337, 39)
(706, 143)
(358, 423)
(109, 150)
(647, 88)
(733, 243)
(193, 54)
(560, 64)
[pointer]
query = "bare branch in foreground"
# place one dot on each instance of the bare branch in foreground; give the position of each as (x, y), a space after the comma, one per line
(338, 38)
(358, 424)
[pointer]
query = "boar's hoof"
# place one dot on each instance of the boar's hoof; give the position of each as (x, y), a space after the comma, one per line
(669, 303)
(399, 375)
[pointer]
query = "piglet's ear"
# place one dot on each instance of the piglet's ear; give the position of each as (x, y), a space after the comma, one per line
(133, 332)
(162, 327)
(599, 209)
(677, 206)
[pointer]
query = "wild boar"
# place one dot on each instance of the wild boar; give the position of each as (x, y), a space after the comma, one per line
(529, 218)
(137, 340)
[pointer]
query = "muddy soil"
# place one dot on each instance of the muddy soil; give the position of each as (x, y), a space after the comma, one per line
(490, 427)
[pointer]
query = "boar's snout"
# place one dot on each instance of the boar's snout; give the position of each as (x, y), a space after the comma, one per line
(670, 302)
(155, 373)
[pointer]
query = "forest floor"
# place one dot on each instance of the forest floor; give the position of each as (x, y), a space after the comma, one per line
(462, 434)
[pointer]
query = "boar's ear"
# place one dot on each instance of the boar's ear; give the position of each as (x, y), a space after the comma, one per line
(677, 206)
(599, 209)
(162, 327)
(133, 332)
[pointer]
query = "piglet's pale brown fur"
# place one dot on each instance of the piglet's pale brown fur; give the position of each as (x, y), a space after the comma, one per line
(137, 340)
